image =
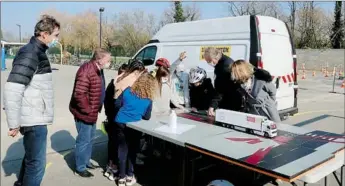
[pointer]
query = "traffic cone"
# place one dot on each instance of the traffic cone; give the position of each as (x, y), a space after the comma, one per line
(343, 84)
(326, 73)
(303, 75)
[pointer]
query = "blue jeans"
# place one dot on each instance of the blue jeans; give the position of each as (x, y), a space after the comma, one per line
(83, 146)
(34, 161)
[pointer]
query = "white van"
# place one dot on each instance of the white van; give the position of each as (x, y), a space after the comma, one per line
(263, 41)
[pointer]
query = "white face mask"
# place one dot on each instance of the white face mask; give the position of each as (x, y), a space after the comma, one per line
(211, 64)
(53, 43)
(164, 80)
(247, 85)
(105, 66)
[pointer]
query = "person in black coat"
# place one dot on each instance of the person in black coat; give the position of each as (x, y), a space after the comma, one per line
(110, 112)
(226, 96)
(201, 90)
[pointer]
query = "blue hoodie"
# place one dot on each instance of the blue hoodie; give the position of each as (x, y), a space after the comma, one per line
(132, 107)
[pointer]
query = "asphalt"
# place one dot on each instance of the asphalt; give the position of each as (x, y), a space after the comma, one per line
(318, 109)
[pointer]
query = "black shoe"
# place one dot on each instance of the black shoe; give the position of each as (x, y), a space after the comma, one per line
(84, 174)
(18, 183)
(92, 166)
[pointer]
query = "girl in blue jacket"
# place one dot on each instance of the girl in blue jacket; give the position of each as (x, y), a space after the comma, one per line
(135, 103)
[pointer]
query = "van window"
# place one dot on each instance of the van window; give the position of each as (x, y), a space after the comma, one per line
(147, 55)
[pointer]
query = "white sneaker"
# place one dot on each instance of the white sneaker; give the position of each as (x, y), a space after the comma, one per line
(112, 177)
(156, 153)
(141, 156)
(107, 172)
(130, 180)
(139, 161)
(110, 173)
(121, 182)
(144, 147)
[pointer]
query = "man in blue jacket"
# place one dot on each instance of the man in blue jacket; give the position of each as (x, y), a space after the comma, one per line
(29, 99)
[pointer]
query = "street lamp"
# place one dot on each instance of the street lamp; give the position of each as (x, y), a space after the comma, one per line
(100, 26)
(20, 32)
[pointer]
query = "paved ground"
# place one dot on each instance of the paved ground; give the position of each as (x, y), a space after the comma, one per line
(319, 109)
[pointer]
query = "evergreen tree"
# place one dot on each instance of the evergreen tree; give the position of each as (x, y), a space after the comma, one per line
(179, 17)
(337, 35)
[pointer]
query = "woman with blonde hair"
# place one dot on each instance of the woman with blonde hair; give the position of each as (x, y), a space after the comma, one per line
(256, 88)
(135, 103)
(161, 105)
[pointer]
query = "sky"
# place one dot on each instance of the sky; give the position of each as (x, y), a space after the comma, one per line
(27, 13)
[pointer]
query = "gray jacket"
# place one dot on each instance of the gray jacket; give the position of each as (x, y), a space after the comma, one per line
(28, 92)
(261, 100)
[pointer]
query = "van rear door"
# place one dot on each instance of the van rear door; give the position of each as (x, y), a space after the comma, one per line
(277, 58)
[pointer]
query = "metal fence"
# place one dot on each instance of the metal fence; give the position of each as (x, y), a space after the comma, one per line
(73, 60)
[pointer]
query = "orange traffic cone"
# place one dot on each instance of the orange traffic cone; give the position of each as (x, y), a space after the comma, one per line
(303, 75)
(343, 84)
(326, 74)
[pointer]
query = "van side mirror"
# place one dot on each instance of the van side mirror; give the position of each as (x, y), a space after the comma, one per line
(148, 61)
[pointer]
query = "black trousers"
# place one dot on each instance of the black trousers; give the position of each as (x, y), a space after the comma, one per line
(127, 144)
(110, 127)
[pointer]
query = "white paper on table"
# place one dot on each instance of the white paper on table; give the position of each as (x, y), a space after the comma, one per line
(180, 128)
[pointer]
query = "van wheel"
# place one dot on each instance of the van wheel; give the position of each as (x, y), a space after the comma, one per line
(231, 126)
(266, 135)
(251, 132)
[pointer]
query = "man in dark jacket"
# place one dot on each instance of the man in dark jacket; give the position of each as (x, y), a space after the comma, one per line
(226, 96)
(29, 99)
(86, 102)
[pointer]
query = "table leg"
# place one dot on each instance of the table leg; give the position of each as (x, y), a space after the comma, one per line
(183, 166)
(326, 181)
(293, 184)
(305, 183)
(336, 178)
(342, 175)
(341, 180)
(192, 168)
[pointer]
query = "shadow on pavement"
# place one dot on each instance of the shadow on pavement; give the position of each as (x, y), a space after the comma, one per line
(63, 143)
(8, 164)
(63, 138)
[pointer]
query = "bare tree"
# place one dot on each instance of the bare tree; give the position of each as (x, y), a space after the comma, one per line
(86, 31)
(272, 9)
(134, 30)
(313, 26)
(293, 5)
(192, 12)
